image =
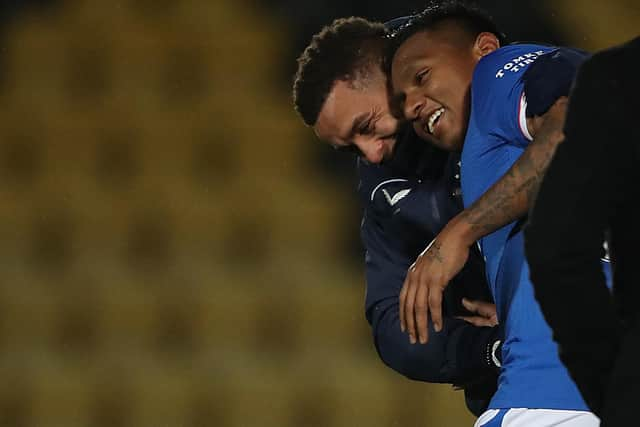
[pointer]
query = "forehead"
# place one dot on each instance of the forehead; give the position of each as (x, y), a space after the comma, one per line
(443, 40)
(414, 47)
(344, 105)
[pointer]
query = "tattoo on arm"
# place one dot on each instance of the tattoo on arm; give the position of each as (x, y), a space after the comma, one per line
(510, 198)
(434, 252)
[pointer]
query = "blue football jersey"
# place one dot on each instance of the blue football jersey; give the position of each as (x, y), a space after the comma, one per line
(497, 133)
(532, 374)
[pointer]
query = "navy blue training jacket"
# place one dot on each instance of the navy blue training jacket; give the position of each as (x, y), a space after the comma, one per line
(406, 202)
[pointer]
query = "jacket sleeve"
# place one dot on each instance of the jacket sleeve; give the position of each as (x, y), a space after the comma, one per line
(567, 227)
(456, 355)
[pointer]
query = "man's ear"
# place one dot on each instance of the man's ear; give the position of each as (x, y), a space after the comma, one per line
(485, 44)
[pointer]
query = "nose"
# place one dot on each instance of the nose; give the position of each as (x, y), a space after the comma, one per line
(412, 106)
(371, 149)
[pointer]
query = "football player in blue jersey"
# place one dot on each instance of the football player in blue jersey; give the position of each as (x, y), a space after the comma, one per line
(409, 190)
(464, 90)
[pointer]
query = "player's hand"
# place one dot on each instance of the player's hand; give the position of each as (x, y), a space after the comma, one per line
(486, 313)
(426, 280)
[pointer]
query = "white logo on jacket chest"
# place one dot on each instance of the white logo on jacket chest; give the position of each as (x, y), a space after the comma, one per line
(396, 197)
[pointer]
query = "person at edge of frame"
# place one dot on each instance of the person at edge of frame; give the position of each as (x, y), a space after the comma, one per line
(588, 193)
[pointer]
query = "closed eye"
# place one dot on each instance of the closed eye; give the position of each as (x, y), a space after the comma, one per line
(366, 128)
(420, 76)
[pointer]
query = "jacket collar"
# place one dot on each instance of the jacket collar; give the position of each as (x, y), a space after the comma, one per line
(415, 158)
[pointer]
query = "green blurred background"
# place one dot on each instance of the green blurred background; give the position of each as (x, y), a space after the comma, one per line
(175, 247)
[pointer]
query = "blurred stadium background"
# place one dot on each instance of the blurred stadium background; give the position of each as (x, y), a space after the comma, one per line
(175, 247)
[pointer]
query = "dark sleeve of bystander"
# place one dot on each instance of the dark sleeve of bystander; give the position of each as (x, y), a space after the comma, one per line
(583, 189)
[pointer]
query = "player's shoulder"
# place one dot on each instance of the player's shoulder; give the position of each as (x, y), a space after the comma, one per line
(550, 77)
(496, 87)
(506, 64)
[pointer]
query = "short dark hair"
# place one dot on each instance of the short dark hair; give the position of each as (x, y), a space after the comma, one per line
(464, 13)
(344, 50)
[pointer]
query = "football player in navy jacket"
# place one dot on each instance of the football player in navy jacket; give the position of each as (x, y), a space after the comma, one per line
(409, 190)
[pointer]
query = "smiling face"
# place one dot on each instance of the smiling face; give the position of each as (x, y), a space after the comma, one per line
(356, 117)
(431, 78)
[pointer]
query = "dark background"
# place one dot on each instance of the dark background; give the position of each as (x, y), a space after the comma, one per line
(176, 249)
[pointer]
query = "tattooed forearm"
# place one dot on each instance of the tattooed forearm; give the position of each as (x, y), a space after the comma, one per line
(510, 198)
(546, 154)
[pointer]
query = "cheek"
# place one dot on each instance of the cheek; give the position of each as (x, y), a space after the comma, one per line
(458, 98)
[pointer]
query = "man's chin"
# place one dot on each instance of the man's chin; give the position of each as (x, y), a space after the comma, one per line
(436, 142)
(425, 136)
(447, 143)
(444, 142)
(443, 145)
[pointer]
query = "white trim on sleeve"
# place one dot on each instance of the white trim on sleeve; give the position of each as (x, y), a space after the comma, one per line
(522, 117)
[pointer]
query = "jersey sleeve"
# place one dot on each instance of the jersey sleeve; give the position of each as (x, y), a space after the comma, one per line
(497, 95)
(550, 77)
(521, 81)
